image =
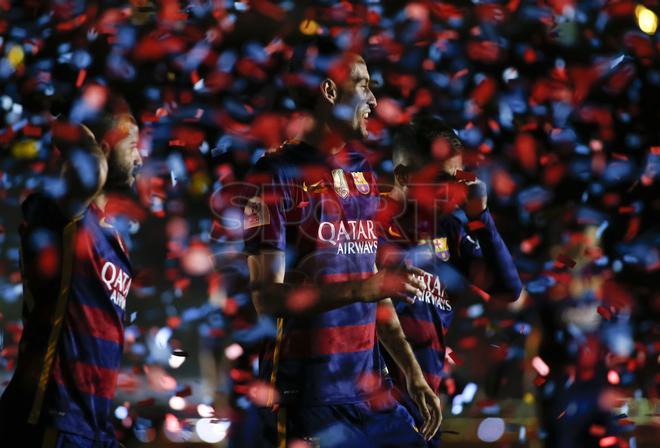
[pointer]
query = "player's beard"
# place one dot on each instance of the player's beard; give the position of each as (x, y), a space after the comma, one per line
(120, 180)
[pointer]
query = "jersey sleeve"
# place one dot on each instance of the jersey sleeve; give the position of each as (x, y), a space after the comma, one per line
(263, 214)
(485, 243)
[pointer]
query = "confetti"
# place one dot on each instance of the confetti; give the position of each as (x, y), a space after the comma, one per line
(568, 173)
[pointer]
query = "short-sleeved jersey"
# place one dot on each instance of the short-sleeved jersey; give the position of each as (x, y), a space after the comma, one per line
(443, 249)
(319, 210)
(76, 275)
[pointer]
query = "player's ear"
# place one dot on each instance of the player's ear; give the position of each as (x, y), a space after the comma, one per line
(329, 90)
(105, 147)
(401, 174)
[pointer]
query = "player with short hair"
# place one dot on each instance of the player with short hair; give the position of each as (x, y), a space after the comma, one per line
(425, 219)
(311, 243)
(76, 276)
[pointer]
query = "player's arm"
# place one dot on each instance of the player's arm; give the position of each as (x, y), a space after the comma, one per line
(85, 167)
(272, 296)
(486, 243)
(393, 339)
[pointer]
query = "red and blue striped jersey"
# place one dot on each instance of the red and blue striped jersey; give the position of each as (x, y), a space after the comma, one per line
(319, 209)
(443, 248)
(76, 275)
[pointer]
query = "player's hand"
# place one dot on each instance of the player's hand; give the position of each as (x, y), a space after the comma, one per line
(428, 404)
(477, 198)
(396, 283)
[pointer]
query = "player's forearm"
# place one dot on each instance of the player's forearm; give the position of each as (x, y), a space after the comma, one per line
(506, 282)
(85, 168)
(391, 335)
(284, 300)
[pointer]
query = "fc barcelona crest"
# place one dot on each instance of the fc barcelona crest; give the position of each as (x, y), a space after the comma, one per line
(340, 183)
(440, 248)
(360, 182)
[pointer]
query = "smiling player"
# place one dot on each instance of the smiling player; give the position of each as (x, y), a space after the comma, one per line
(433, 236)
(310, 236)
(76, 275)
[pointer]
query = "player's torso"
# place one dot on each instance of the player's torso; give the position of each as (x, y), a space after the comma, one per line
(422, 243)
(331, 236)
(91, 342)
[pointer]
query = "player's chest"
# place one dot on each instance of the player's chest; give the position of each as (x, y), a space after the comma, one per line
(431, 253)
(103, 265)
(342, 200)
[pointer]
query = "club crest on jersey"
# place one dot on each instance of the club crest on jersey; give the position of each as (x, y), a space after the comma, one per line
(256, 213)
(440, 248)
(340, 183)
(360, 182)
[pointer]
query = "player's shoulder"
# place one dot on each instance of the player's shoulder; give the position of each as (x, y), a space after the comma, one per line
(40, 208)
(289, 153)
(358, 160)
(451, 224)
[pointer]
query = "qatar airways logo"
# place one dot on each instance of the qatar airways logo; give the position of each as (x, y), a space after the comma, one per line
(435, 293)
(117, 281)
(349, 237)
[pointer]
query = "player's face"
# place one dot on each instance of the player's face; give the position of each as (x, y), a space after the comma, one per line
(452, 164)
(124, 159)
(356, 101)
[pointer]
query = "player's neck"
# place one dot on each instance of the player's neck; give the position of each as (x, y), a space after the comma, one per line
(100, 200)
(325, 139)
(398, 193)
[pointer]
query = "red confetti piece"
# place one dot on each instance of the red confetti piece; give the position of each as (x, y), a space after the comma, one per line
(480, 292)
(480, 322)
(633, 228)
(540, 366)
(565, 260)
(185, 392)
(302, 298)
(604, 312)
(455, 359)
(527, 246)
(475, 225)
(526, 151)
(465, 176)
(384, 314)
(174, 321)
(539, 381)
(460, 73)
(262, 394)
(613, 377)
(468, 342)
(32, 131)
(82, 74)
(482, 94)
(608, 441)
(6, 136)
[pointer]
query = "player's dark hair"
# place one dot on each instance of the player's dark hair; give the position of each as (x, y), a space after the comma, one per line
(309, 65)
(415, 140)
(115, 109)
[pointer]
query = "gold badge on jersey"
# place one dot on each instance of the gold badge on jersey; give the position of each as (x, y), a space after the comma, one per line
(440, 248)
(340, 183)
(360, 182)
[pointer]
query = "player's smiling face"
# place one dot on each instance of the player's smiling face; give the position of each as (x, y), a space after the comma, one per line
(124, 159)
(356, 102)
